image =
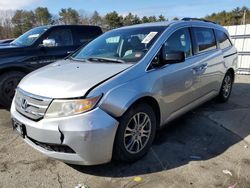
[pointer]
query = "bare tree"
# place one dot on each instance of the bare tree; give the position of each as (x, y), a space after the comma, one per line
(6, 24)
(84, 17)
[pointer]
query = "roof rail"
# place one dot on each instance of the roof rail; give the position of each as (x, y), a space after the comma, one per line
(197, 19)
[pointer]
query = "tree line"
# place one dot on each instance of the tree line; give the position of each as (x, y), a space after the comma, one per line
(237, 16)
(14, 23)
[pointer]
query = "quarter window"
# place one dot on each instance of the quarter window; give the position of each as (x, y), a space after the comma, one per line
(223, 39)
(180, 41)
(205, 39)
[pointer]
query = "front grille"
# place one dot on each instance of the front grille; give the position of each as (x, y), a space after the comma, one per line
(31, 106)
(53, 147)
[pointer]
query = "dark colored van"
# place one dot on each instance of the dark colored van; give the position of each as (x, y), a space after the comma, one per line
(36, 48)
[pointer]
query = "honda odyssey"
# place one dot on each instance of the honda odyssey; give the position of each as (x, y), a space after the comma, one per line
(108, 99)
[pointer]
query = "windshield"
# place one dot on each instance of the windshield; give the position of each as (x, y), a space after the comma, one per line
(29, 37)
(120, 46)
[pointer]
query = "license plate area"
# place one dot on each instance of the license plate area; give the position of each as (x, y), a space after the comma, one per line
(19, 127)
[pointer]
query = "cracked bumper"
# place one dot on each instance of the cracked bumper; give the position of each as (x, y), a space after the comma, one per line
(91, 135)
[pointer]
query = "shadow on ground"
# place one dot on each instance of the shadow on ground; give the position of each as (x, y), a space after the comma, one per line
(3, 108)
(194, 136)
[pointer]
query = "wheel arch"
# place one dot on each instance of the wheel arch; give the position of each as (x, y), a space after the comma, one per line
(232, 72)
(14, 69)
(152, 102)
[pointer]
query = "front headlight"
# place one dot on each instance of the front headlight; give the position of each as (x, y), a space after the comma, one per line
(63, 108)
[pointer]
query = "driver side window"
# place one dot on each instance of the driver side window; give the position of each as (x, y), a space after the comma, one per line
(62, 37)
(180, 41)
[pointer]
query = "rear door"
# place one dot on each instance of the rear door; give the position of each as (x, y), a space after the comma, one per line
(209, 59)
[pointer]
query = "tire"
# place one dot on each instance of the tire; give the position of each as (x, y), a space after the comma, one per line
(8, 84)
(226, 88)
(144, 133)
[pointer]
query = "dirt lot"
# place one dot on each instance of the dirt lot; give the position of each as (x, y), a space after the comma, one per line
(208, 147)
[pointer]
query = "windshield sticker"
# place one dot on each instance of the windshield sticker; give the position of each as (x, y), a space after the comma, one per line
(33, 36)
(113, 39)
(149, 37)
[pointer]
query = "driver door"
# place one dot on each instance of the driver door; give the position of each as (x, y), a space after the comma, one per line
(64, 46)
(179, 81)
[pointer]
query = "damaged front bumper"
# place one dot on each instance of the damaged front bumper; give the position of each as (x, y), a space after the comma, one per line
(85, 139)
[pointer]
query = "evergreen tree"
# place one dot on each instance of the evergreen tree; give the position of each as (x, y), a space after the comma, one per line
(113, 20)
(43, 17)
(69, 16)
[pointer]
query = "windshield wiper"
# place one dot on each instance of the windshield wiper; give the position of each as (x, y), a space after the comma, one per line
(105, 59)
(73, 59)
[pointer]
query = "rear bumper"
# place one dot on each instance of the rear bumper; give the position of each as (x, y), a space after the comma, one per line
(90, 135)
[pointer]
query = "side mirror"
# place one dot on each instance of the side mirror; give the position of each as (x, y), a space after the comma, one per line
(49, 43)
(172, 57)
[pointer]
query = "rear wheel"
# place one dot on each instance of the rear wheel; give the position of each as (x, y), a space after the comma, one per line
(8, 84)
(226, 88)
(135, 133)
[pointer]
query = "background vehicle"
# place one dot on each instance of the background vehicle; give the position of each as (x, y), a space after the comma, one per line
(109, 98)
(6, 41)
(36, 48)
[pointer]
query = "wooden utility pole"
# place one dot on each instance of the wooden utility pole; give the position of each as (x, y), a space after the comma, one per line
(244, 18)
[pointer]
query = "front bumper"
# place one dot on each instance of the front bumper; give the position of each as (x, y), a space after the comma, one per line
(90, 135)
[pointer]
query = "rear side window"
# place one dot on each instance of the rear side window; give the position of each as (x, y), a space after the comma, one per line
(223, 39)
(86, 34)
(180, 41)
(205, 39)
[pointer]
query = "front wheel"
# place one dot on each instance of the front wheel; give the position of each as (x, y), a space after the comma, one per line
(226, 88)
(135, 133)
(8, 84)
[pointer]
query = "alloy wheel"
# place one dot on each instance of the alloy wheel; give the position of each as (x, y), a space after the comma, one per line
(137, 133)
(227, 86)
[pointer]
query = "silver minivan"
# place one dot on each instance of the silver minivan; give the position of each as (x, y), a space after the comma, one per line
(109, 98)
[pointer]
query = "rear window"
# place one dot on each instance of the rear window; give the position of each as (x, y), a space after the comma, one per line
(86, 34)
(205, 39)
(223, 39)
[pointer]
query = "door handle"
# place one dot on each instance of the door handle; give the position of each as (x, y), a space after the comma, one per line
(200, 68)
(204, 66)
(196, 69)
(70, 52)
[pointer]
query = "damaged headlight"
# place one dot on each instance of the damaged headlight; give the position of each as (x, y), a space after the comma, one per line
(63, 108)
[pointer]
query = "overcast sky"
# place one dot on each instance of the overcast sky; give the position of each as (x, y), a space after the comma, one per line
(171, 8)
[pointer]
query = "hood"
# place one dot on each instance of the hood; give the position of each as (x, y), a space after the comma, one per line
(68, 79)
(8, 46)
(8, 49)
(4, 44)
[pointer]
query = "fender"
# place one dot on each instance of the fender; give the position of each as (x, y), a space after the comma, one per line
(117, 100)
(8, 68)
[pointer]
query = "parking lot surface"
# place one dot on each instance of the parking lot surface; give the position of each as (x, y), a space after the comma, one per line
(208, 147)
